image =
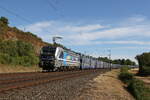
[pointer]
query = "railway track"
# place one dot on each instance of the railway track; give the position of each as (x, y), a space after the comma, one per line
(22, 80)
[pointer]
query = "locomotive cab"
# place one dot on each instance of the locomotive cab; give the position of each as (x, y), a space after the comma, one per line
(47, 58)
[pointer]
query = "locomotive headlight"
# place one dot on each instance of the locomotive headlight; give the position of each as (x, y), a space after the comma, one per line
(41, 51)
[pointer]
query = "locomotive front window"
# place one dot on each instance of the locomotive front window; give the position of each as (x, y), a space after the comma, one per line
(47, 53)
(49, 50)
(61, 55)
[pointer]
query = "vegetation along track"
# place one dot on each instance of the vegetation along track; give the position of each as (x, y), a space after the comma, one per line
(22, 80)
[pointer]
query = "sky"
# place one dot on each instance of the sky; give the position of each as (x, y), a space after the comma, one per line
(88, 26)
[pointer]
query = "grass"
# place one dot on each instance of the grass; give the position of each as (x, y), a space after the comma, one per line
(18, 68)
(126, 77)
(135, 87)
(124, 69)
(138, 90)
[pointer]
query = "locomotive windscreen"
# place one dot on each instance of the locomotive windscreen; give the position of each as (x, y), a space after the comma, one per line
(47, 57)
(48, 50)
(47, 53)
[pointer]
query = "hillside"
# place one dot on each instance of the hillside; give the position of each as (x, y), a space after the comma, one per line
(17, 47)
(15, 34)
(12, 33)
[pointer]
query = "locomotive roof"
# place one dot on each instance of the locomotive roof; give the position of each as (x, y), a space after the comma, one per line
(69, 50)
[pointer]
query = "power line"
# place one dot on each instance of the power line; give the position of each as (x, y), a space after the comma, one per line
(51, 5)
(54, 7)
(18, 16)
(15, 14)
(23, 18)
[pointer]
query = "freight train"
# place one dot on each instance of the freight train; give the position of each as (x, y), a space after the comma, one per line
(54, 58)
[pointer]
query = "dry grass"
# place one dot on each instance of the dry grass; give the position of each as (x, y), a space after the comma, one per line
(134, 71)
(105, 87)
(145, 79)
(14, 69)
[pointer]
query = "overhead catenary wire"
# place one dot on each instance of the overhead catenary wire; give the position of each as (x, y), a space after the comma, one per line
(18, 16)
(15, 14)
(24, 18)
(53, 6)
(56, 1)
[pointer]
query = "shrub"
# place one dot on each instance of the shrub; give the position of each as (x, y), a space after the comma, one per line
(124, 69)
(135, 86)
(5, 58)
(126, 77)
(4, 20)
(145, 71)
(3, 28)
(138, 90)
(17, 53)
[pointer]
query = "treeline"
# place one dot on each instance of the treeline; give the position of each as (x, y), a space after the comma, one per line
(17, 53)
(117, 61)
(144, 63)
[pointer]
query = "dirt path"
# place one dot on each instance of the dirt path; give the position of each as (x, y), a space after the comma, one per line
(105, 87)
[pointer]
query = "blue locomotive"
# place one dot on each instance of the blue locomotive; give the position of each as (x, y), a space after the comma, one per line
(54, 58)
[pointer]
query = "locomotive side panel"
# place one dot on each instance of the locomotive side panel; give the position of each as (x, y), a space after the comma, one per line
(68, 58)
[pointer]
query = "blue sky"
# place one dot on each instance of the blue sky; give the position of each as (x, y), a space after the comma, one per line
(91, 26)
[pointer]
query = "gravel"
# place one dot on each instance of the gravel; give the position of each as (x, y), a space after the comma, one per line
(67, 89)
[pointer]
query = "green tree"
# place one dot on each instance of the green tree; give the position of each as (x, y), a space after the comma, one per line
(123, 62)
(4, 20)
(144, 61)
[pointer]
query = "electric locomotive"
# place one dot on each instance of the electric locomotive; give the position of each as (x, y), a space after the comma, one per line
(57, 58)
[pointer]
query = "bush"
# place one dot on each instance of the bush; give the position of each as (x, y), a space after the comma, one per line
(5, 58)
(145, 71)
(124, 69)
(138, 90)
(4, 20)
(135, 87)
(17, 53)
(126, 77)
(28, 61)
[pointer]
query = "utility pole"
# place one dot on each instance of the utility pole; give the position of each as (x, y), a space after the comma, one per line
(24, 29)
(109, 58)
(85, 52)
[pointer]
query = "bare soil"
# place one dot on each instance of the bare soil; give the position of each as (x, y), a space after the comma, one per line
(105, 87)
